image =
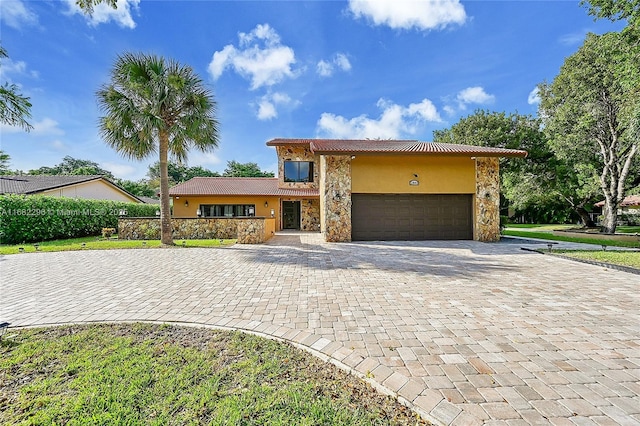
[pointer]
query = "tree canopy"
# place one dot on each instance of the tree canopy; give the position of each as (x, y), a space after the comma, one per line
(73, 166)
(4, 162)
(590, 113)
(179, 173)
(531, 184)
(15, 108)
(236, 169)
(616, 10)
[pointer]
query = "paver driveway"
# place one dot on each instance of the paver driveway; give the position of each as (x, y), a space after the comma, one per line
(468, 332)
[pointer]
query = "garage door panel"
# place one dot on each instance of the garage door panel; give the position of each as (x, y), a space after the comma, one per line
(412, 217)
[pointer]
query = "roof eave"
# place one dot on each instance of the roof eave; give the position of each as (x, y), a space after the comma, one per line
(522, 154)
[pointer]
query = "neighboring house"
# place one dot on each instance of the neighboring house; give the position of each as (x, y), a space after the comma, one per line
(73, 186)
(630, 205)
(149, 200)
(364, 190)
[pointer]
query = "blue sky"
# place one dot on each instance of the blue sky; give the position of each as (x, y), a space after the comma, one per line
(339, 69)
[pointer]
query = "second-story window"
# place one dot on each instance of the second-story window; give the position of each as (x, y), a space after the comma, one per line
(298, 171)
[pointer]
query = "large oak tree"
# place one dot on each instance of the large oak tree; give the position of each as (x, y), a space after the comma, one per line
(536, 183)
(591, 115)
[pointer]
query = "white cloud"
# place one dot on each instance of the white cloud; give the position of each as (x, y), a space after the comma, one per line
(204, 159)
(16, 67)
(58, 145)
(15, 14)
(260, 57)
(47, 126)
(342, 61)
(573, 39)
(103, 13)
(339, 60)
(407, 14)
(123, 171)
(449, 110)
(324, 68)
(266, 110)
(534, 96)
(394, 121)
(474, 95)
(267, 105)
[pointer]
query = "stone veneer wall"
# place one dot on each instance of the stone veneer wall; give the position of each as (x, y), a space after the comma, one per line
(296, 153)
(247, 230)
(487, 199)
(250, 231)
(335, 195)
(310, 214)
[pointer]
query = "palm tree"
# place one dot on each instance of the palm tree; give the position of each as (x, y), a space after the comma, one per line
(14, 108)
(154, 105)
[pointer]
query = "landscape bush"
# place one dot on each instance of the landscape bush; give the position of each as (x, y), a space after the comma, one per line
(26, 219)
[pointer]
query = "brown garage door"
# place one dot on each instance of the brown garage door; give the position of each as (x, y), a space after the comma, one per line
(404, 217)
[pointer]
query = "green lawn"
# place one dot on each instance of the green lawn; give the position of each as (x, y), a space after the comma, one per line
(622, 258)
(550, 236)
(628, 229)
(139, 374)
(547, 227)
(98, 243)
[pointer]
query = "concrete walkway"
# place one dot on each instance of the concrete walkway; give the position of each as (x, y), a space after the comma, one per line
(465, 332)
(543, 245)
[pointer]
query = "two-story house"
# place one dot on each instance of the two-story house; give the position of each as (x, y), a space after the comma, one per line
(363, 190)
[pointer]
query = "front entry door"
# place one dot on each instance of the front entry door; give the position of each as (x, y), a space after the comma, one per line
(291, 215)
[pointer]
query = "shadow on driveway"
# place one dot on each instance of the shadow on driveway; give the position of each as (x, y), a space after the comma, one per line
(437, 258)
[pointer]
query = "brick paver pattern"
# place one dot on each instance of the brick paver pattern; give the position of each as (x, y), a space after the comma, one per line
(465, 332)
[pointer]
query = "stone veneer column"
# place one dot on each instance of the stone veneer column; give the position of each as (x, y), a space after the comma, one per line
(487, 226)
(335, 197)
(310, 214)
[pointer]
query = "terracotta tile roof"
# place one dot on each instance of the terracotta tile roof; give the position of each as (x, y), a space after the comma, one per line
(238, 186)
(631, 200)
(366, 146)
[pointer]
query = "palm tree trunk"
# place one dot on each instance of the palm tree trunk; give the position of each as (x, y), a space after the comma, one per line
(166, 231)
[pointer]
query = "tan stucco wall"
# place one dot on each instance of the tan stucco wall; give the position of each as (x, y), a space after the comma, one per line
(487, 200)
(180, 211)
(95, 190)
(297, 153)
(391, 174)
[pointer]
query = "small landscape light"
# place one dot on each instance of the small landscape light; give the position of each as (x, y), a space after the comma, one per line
(37, 246)
(550, 245)
(184, 243)
(21, 249)
(84, 245)
(144, 244)
(604, 247)
(3, 328)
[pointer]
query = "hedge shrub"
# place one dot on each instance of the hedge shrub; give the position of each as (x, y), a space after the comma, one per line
(33, 218)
